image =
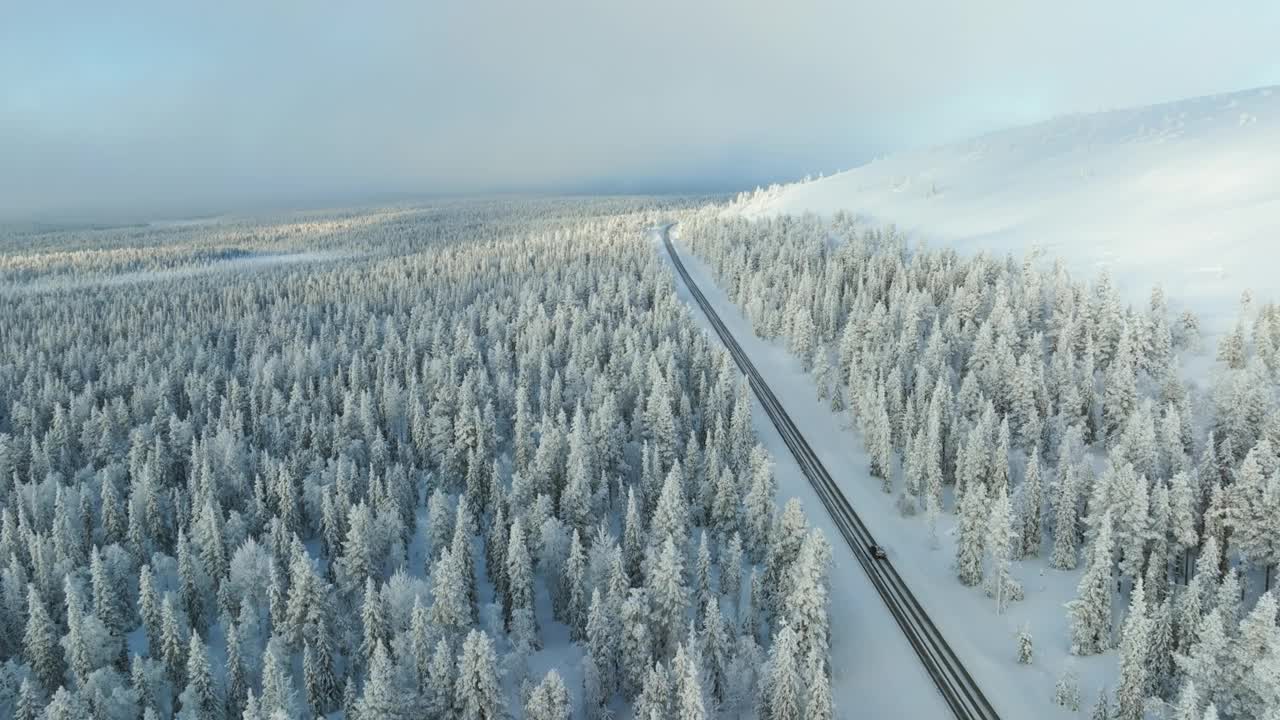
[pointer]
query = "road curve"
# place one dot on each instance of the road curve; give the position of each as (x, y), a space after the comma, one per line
(957, 686)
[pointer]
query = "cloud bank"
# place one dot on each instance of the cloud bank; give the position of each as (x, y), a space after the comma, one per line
(203, 106)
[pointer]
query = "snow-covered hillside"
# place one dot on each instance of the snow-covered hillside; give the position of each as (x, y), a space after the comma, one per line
(1185, 194)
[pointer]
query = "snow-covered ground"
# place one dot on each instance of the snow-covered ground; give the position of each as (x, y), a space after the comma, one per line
(1184, 194)
(875, 673)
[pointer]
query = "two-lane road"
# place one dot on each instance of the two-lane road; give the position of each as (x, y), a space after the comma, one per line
(958, 688)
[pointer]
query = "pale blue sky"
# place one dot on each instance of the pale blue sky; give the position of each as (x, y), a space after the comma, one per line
(157, 106)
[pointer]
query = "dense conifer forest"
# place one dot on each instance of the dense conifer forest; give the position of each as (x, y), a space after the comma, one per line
(1059, 427)
(464, 461)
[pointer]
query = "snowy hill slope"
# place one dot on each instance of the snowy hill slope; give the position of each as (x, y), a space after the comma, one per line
(1184, 194)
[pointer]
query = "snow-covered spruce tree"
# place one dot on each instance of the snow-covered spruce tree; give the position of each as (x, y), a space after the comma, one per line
(65, 705)
(999, 545)
(1187, 706)
(1208, 659)
(758, 503)
(1254, 505)
(1256, 660)
(1090, 612)
(786, 540)
(601, 635)
(278, 694)
(969, 543)
(1102, 707)
(879, 438)
(199, 700)
(784, 694)
(235, 678)
(819, 705)
(438, 693)
(1131, 690)
(1066, 511)
(669, 597)
(654, 700)
(40, 644)
(690, 698)
(1031, 501)
(1066, 691)
(477, 694)
(805, 603)
(595, 696)
(549, 700)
